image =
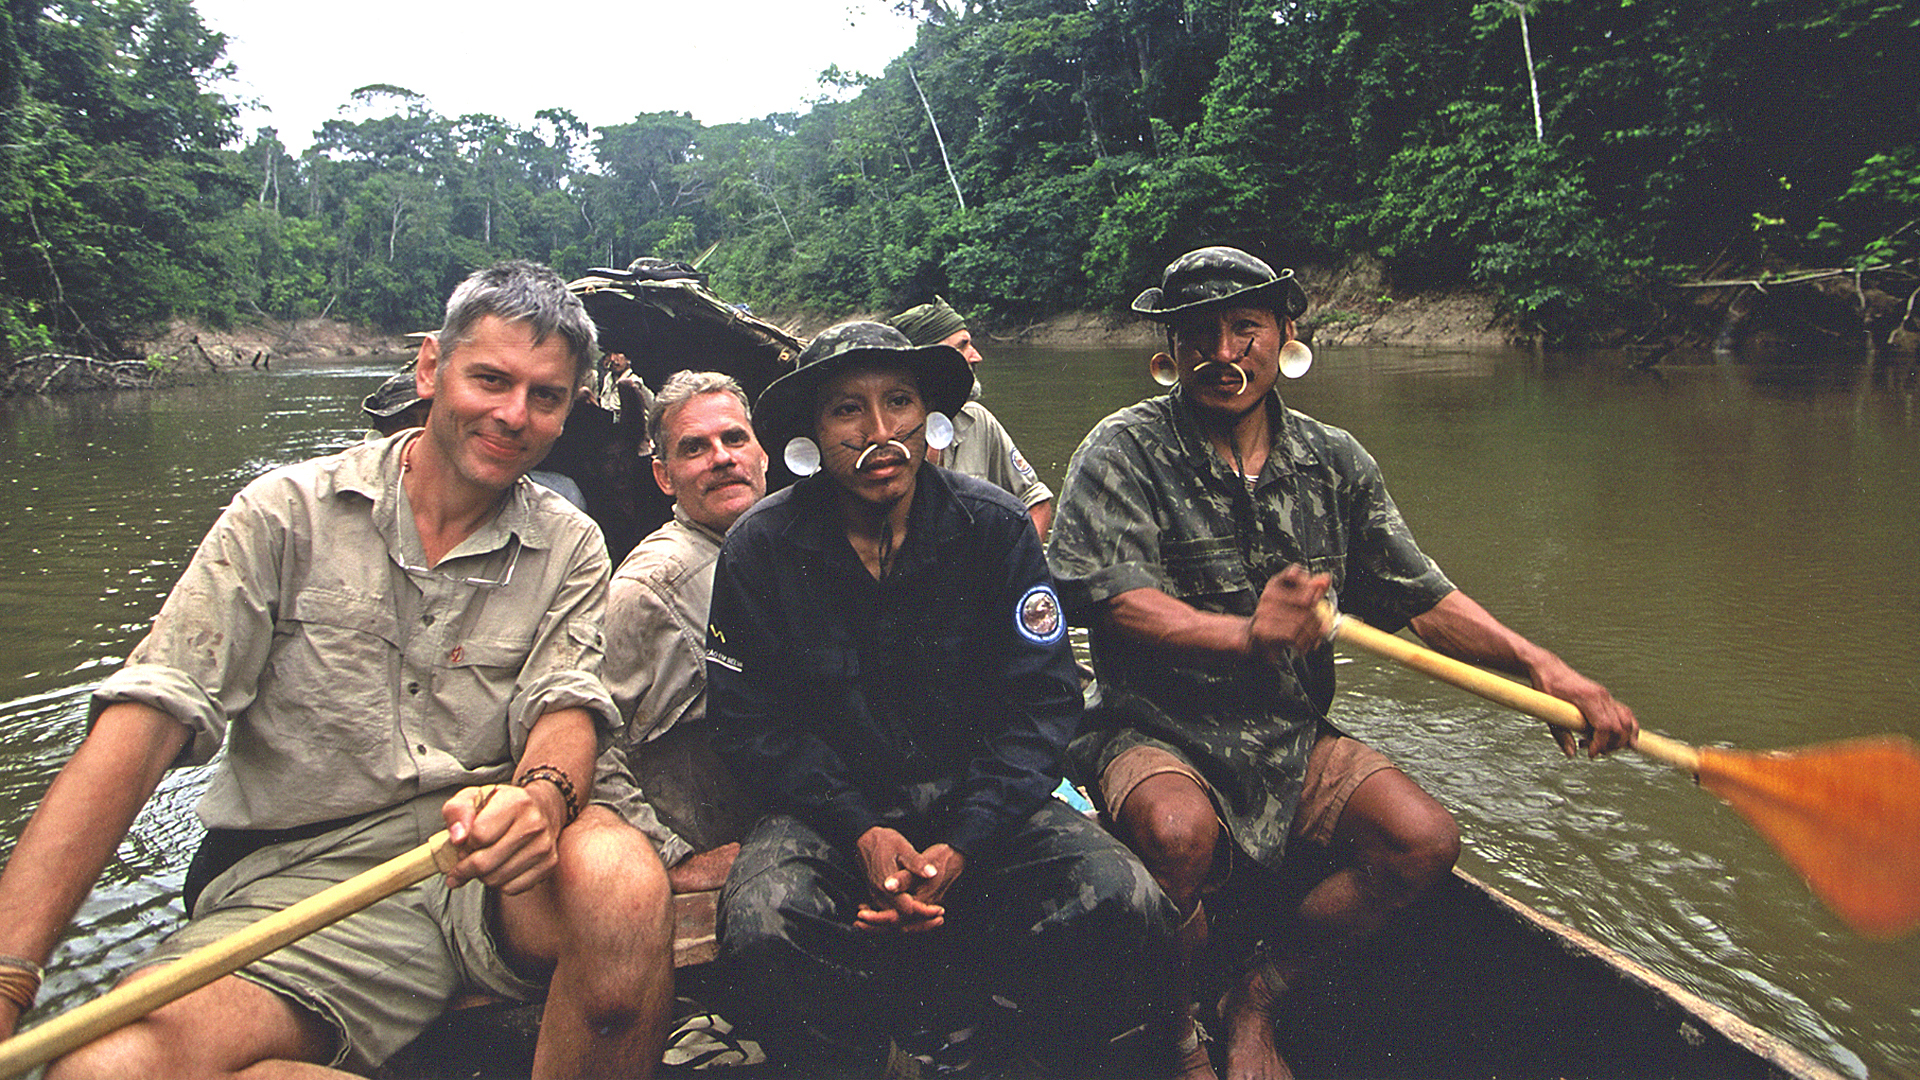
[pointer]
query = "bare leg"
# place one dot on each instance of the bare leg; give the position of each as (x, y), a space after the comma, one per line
(230, 1027)
(604, 919)
(1249, 1010)
(1170, 823)
(1396, 842)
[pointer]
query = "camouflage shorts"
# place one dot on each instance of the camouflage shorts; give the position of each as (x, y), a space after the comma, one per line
(1057, 918)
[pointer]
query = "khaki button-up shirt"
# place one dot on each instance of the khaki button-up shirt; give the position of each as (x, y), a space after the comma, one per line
(657, 660)
(657, 627)
(308, 638)
(983, 449)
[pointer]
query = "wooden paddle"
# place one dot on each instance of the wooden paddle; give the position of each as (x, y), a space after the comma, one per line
(130, 1002)
(1846, 815)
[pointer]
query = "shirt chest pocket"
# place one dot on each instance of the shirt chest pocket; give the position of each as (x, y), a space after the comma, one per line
(329, 675)
(474, 691)
(1203, 568)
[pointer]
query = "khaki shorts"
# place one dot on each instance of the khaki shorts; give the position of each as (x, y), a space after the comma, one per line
(381, 975)
(1335, 769)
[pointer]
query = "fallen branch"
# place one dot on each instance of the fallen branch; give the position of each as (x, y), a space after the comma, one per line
(1763, 281)
(66, 371)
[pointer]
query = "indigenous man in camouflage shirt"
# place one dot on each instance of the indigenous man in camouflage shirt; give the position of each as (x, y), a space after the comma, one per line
(1197, 535)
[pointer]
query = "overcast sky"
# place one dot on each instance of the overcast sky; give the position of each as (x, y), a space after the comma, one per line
(605, 60)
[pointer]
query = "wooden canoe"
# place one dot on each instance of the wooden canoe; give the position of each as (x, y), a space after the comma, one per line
(1470, 984)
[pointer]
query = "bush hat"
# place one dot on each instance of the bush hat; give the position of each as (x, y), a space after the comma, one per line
(393, 397)
(1213, 276)
(785, 409)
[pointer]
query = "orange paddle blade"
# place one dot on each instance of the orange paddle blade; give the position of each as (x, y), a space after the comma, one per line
(1846, 815)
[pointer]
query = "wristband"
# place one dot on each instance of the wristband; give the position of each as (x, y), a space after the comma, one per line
(20, 981)
(553, 775)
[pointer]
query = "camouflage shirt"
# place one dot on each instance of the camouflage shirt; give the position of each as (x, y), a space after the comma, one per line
(1148, 504)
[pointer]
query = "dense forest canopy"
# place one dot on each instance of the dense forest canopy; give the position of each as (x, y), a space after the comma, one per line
(1024, 157)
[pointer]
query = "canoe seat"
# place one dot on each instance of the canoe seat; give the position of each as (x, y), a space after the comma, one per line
(693, 935)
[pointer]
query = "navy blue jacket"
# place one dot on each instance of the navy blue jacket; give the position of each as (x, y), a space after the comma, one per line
(937, 701)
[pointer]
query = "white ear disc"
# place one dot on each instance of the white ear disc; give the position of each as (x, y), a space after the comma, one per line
(802, 456)
(939, 431)
(1295, 359)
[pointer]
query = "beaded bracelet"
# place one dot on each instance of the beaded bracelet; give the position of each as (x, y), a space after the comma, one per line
(553, 775)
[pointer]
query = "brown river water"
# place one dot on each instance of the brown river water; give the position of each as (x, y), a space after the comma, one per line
(1730, 546)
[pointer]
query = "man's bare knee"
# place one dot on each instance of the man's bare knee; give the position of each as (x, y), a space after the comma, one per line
(1170, 823)
(1434, 850)
(1420, 852)
(618, 905)
(131, 1051)
(607, 864)
(607, 900)
(1406, 841)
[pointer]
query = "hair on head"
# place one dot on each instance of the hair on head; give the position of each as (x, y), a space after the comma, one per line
(519, 291)
(684, 386)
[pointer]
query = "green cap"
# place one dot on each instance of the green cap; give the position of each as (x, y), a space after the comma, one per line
(929, 324)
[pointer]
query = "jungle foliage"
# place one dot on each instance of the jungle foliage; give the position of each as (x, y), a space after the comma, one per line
(1085, 142)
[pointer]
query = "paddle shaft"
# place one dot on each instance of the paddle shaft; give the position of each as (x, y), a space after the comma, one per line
(1498, 688)
(125, 1004)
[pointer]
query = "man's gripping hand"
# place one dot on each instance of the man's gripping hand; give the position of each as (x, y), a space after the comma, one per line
(1288, 618)
(507, 837)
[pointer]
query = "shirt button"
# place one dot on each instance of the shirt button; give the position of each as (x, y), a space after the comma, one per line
(428, 619)
(421, 748)
(413, 688)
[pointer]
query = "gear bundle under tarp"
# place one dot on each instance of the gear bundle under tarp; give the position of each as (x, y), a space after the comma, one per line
(663, 318)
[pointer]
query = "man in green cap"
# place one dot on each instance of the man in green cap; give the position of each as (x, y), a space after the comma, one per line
(1198, 534)
(981, 446)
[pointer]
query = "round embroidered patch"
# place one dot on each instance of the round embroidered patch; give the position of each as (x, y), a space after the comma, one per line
(1019, 463)
(1038, 616)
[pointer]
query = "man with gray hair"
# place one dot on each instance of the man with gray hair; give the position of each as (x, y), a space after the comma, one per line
(396, 639)
(707, 459)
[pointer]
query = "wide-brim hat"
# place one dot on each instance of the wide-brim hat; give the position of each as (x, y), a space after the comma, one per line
(1214, 276)
(395, 396)
(785, 408)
